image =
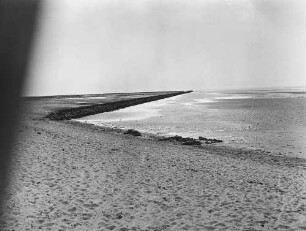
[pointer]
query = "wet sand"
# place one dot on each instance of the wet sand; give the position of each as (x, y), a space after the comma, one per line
(72, 176)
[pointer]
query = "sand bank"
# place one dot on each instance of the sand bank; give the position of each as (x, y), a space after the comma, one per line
(72, 176)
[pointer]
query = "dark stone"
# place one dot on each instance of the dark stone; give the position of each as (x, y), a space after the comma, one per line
(175, 138)
(209, 141)
(182, 140)
(191, 142)
(133, 132)
(202, 138)
(119, 215)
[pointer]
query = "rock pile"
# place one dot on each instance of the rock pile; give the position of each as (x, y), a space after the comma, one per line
(132, 132)
(190, 141)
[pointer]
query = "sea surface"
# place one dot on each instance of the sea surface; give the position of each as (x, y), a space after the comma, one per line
(269, 120)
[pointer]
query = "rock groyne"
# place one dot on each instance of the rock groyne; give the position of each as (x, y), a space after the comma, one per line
(74, 113)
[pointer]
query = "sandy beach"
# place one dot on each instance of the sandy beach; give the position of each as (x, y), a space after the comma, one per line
(67, 175)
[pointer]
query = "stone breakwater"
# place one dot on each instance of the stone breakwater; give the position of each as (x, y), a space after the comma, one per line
(73, 113)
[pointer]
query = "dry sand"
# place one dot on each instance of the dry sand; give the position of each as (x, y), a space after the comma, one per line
(71, 176)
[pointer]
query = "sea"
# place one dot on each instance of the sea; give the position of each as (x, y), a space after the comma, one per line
(269, 120)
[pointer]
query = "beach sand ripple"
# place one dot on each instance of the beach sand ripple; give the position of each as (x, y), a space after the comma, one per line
(77, 177)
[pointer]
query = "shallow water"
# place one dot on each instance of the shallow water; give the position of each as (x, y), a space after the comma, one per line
(270, 120)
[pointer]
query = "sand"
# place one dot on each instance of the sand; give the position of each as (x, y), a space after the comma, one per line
(71, 176)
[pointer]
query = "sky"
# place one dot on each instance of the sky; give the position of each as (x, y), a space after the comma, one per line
(95, 46)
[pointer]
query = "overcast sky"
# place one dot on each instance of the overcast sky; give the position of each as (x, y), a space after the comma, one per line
(95, 46)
